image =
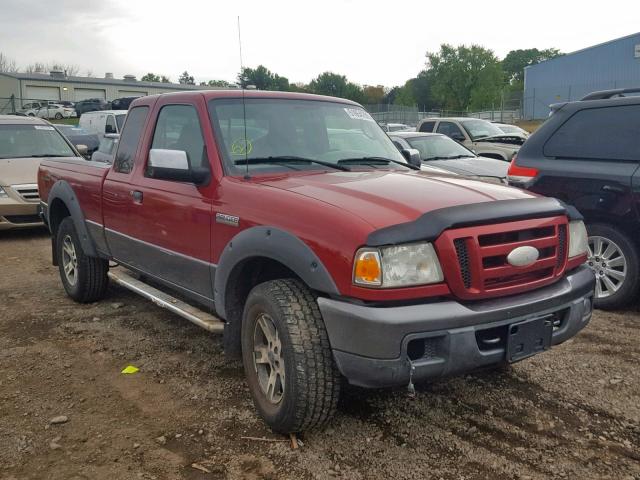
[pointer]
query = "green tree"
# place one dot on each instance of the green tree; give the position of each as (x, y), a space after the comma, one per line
(164, 79)
(516, 60)
(216, 83)
(373, 95)
(333, 84)
(465, 77)
(150, 77)
(186, 79)
(263, 79)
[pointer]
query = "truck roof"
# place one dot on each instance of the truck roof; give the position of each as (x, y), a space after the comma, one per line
(237, 93)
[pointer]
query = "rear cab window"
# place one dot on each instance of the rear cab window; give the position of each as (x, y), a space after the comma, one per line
(427, 126)
(605, 133)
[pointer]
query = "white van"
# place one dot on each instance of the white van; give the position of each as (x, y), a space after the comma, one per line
(103, 122)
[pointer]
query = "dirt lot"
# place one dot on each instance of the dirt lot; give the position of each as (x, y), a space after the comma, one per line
(570, 413)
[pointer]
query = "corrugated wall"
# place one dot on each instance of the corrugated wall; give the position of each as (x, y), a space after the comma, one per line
(570, 77)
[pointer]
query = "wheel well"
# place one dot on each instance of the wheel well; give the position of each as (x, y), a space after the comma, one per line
(58, 211)
(244, 276)
(627, 228)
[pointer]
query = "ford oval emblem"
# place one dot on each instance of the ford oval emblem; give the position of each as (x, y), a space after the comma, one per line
(523, 256)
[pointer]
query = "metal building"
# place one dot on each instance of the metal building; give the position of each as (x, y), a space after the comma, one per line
(613, 64)
(56, 85)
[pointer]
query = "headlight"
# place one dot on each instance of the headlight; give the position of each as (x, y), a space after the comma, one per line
(578, 244)
(3, 193)
(397, 266)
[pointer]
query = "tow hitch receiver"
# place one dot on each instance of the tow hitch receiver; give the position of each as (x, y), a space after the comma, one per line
(529, 337)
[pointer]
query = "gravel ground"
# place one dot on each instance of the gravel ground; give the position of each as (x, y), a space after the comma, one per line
(573, 412)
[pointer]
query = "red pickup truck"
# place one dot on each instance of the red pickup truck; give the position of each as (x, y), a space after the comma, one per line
(292, 224)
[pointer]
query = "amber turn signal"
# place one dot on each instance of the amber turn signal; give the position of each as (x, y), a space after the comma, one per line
(367, 269)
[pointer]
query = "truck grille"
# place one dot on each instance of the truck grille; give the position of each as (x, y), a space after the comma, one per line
(29, 192)
(475, 258)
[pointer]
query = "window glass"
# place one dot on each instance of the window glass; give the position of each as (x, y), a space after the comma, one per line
(178, 128)
(110, 124)
(427, 126)
(120, 121)
(478, 129)
(307, 129)
(438, 147)
(129, 140)
(598, 133)
(449, 129)
(23, 141)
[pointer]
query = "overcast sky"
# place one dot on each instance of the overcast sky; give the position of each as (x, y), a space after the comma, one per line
(372, 42)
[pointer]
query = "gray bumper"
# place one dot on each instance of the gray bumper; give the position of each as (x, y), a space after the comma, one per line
(373, 345)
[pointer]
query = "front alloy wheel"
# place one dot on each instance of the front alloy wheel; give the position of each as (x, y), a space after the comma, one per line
(607, 259)
(267, 359)
(69, 260)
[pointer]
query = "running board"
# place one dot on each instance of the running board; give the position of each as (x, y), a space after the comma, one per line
(164, 300)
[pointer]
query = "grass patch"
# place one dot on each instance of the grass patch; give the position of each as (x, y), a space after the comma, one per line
(65, 121)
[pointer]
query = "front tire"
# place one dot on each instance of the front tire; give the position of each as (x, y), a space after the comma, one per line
(614, 258)
(287, 357)
(84, 278)
(58, 116)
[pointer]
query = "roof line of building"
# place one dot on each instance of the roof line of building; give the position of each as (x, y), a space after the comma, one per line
(584, 49)
(102, 81)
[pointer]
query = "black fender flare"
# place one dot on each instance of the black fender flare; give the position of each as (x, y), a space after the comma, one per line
(278, 245)
(62, 191)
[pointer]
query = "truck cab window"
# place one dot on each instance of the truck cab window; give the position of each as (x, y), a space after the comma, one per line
(110, 125)
(178, 128)
(129, 140)
(450, 130)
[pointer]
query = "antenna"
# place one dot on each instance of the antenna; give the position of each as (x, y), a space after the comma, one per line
(244, 108)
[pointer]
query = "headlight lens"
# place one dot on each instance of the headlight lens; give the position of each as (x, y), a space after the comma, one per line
(3, 193)
(397, 266)
(578, 244)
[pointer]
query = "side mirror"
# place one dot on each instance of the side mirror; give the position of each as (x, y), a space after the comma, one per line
(458, 138)
(174, 165)
(82, 149)
(412, 156)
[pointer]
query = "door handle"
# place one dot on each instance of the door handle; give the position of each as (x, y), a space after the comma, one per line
(136, 195)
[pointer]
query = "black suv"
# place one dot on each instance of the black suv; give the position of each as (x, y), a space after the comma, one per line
(588, 155)
(91, 105)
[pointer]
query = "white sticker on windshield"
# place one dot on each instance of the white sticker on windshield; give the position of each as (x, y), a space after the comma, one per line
(359, 114)
(43, 127)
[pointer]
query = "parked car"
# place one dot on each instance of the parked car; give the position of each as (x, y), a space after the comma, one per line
(54, 110)
(122, 103)
(91, 105)
(396, 127)
(319, 260)
(481, 136)
(31, 109)
(512, 130)
(107, 148)
(588, 155)
(103, 122)
(439, 150)
(79, 136)
(64, 103)
(24, 142)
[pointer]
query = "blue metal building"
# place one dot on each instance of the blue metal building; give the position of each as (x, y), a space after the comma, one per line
(613, 64)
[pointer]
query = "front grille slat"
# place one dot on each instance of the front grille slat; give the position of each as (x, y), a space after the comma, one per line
(28, 192)
(481, 268)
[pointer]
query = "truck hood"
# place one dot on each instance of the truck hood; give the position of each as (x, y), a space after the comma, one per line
(383, 198)
(16, 171)
(506, 139)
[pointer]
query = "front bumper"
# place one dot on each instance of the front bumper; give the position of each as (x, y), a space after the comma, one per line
(18, 214)
(377, 346)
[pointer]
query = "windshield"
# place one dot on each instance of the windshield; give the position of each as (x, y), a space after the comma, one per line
(481, 129)
(32, 141)
(510, 129)
(120, 121)
(437, 147)
(281, 134)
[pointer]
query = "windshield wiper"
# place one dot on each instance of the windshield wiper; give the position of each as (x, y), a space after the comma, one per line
(375, 161)
(288, 159)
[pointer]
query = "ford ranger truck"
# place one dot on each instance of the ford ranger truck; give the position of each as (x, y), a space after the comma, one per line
(293, 225)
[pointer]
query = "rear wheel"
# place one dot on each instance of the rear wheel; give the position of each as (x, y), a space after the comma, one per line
(614, 259)
(58, 116)
(84, 278)
(287, 357)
